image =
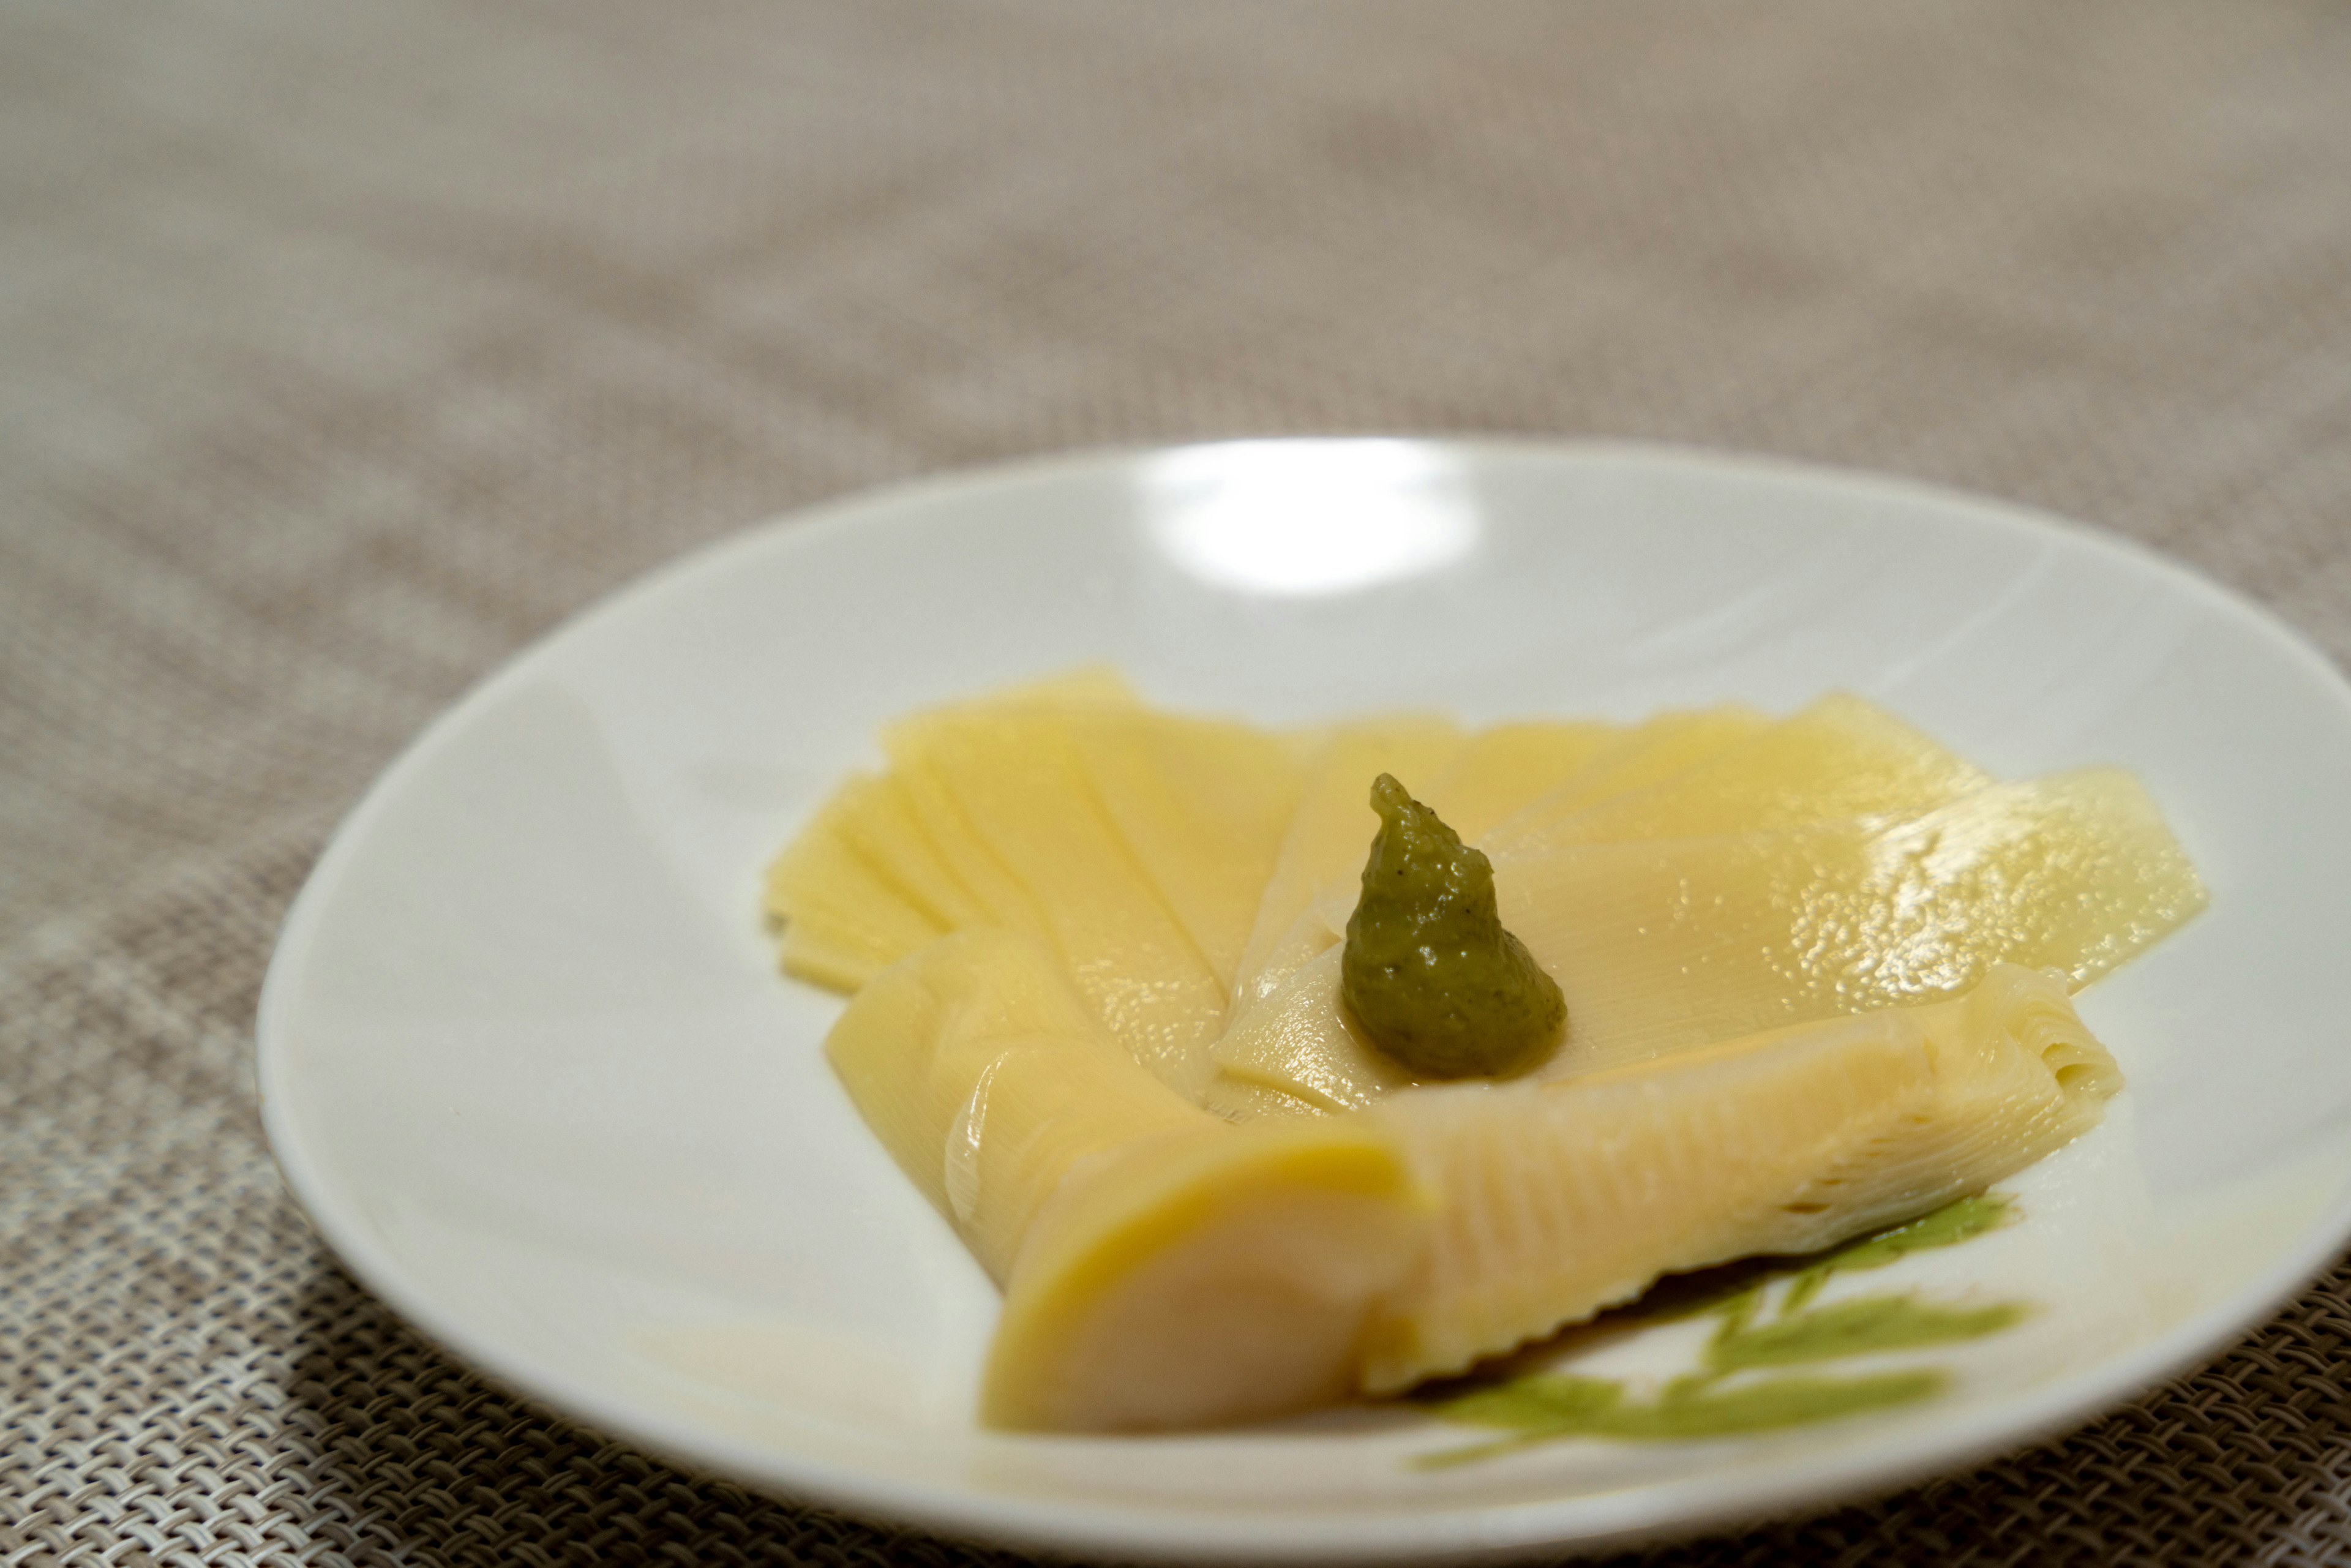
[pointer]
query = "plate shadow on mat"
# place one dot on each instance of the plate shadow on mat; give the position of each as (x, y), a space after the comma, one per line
(453, 1471)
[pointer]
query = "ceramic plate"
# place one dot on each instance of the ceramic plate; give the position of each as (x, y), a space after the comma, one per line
(526, 1060)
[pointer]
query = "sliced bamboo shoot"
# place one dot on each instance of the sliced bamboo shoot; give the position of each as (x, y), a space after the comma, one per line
(1203, 804)
(1501, 770)
(1561, 1198)
(1206, 1278)
(1162, 1269)
(1838, 757)
(987, 1078)
(1331, 826)
(1665, 946)
(1008, 789)
(844, 920)
(1648, 754)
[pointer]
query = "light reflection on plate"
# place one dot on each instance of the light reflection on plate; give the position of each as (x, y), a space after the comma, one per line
(1309, 518)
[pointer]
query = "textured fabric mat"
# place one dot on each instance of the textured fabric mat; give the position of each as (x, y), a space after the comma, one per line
(343, 349)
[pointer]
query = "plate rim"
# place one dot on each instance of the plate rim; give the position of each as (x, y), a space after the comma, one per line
(1650, 1511)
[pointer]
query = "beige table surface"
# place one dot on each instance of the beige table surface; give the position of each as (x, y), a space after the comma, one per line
(345, 348)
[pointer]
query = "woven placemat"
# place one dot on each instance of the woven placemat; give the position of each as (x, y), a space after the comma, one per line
(344, 348)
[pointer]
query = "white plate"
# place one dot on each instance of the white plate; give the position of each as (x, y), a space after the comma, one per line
(526, 1059)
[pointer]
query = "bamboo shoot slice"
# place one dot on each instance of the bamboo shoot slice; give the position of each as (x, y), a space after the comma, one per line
(1501, 770)
(1561, 1198)
(837, 909)
(987, 1078)
(2075, 873)
(1332, 827)
(1012, 783)
(1662, 946)
(1203, 804)
(1162, 1269)
(813, 954)
(1617, 761)
(878, 821)
(1838, 757)
(870, 825)
(1206, 1278)
(1648, 754)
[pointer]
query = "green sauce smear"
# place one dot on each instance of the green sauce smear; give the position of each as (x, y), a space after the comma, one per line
(1561, 1404)
(1947, 1227)
(1428, 971)
(1862, 1326)
(1724, 1397)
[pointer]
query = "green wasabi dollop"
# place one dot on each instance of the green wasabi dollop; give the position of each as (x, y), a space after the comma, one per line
(1428, 971)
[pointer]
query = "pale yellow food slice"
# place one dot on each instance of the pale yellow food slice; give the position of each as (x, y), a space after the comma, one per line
(1162, 1269)
(1840, 757)
(996, 888)
(1238, 1099)
(1565, 1198)
(1477, 782)
(988, 1079)
(811, 953)
(1659, 946)
(1647, 754)
(1301, 1044)
(1700, 939)
(923, 834)
(1203, 804)
(1206, 1278)
(1615, 762)
(843, 919)
(1331, 830)
(876, 819)
(1684, 774)
(869, 832)
(1501, 770)
(1491, 775)
(1007, 785)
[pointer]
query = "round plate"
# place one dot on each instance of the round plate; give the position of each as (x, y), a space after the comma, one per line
(526, 1060)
